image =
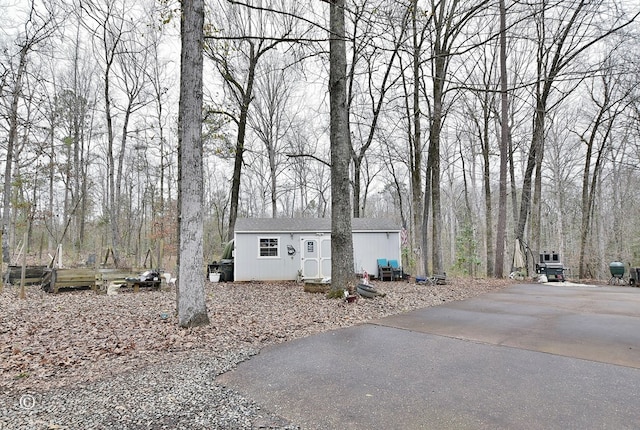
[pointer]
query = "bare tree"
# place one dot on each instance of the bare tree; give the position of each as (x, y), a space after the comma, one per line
(504, 156)
(239, 39)
(610, 98)
(479, 108)
(79, 127)
(561, 41)
(26, 175)
(40, 24)
(310, 172)
(192, 310)
(449, 20)
(342, 270)
(410, 109)
(416, 146)
(107, 24)
(300, 141)
(366, 105)
(161, 81)
(271, 123)
(132, 80)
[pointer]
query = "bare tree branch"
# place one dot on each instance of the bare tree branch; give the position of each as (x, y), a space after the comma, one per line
(326, 163)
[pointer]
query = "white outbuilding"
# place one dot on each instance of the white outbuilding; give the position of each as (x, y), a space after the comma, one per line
(279, 249)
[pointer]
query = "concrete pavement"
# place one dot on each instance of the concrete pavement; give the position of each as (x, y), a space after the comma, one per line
(529, 356)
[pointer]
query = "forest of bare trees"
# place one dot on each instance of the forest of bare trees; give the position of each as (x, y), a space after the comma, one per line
(471, 124)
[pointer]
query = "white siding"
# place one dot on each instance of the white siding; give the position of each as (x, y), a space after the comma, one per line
(369, 246)
(249, 266)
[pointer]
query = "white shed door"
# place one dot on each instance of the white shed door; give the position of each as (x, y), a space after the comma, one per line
(315, 258)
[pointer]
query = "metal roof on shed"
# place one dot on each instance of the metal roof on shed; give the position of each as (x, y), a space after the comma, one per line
(289, 225)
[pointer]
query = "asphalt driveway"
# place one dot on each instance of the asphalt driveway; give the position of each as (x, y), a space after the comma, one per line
(530, 356)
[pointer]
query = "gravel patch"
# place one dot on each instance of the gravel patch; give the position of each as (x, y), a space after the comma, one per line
(182, 395)
(78, 360)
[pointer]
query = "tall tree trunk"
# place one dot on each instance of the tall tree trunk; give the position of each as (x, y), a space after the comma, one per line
(425, 216)
(415, 150)
(79, 115)
(192, 310)
(77, 175)
(504, 148)
(51, 182)
(536, 201)
(111, 185)
(488, 204)
(85, 182)
(273, 182)
(512, 181)
(434, 159)
(357, 178)
(121, 156)
(247, 96)
(590, 181)
(342, 267)
(527, 183)
(13, 137)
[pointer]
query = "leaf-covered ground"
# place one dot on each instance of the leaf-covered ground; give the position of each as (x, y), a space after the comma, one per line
(51, 340)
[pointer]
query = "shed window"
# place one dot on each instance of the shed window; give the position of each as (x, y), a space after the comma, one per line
(269, 247)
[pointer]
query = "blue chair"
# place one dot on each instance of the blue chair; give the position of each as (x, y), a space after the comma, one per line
(396, 271)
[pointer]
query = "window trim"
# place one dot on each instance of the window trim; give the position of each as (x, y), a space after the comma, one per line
(276, 247)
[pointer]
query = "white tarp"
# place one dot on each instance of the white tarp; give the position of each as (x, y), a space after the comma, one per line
(518, 257)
